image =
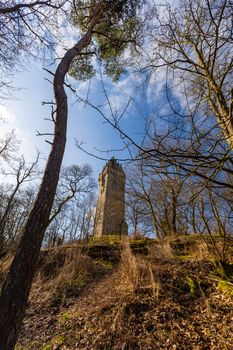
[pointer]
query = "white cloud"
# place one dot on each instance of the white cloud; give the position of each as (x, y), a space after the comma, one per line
(68, 36)
(121, 92)
(8, 124)
(156, 87)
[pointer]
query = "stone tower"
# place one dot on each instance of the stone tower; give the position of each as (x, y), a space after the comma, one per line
(110, 209)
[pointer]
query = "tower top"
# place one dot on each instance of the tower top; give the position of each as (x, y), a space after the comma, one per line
(113, 163)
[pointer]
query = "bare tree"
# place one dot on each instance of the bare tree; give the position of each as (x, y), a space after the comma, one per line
(22, 173)
(26, 28)
(8, 146)
(161, 192)
(74, 182)
(18, 212)
(192, 42)
(75, 187)
(137, 217)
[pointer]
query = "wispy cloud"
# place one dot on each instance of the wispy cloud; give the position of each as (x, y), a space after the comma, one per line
(9, 123)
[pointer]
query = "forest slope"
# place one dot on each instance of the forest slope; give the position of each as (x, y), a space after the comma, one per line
(166, 299)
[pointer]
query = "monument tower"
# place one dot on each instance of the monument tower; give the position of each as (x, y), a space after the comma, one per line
(110, 209)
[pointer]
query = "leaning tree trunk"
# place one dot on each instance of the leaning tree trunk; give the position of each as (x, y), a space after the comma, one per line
(16, 288)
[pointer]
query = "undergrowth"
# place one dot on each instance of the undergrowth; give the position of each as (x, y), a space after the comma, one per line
(61, 278)
(168, 298)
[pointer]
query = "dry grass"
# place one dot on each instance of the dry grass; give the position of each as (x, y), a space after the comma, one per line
(205, 250)
(137, 272)
(137, 276)
(192, 247)
(64, 274)
(200, 251)
(129, 266)
(5, 263)
(155, 301)
(162, 250)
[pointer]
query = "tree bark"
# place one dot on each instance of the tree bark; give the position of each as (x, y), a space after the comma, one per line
(16, 288)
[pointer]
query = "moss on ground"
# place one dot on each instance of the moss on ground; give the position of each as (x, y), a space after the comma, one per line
(191, 285)
(226, 287)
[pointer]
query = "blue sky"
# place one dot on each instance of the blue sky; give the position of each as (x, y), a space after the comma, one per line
(26, 115)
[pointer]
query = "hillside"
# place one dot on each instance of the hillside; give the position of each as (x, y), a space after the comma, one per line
(154, 296)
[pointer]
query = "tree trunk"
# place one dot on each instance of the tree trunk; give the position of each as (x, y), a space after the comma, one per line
(16, 288)
(174, 214)
(3, 221)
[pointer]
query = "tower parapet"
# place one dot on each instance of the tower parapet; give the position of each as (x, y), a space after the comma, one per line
(110, 209)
